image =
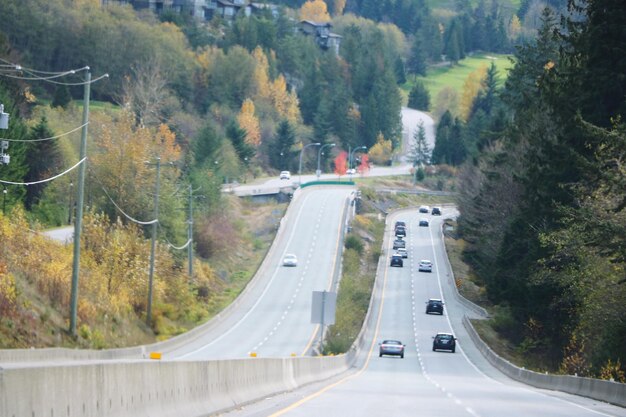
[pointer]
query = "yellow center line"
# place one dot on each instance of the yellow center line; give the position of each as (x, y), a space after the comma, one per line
(363, 369)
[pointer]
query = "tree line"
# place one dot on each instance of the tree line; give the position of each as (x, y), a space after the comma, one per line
(541, 190)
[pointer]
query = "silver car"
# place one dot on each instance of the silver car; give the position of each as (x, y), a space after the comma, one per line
(290, 260)
(425, 266)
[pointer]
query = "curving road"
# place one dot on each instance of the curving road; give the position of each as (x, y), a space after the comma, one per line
(424, 383)
(274, 319)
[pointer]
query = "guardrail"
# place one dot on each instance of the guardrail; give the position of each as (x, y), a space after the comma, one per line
(331, 182)
(599, 389)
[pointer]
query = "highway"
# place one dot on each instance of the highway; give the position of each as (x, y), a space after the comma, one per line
(274, 320)
(424, 383)
(271, 319)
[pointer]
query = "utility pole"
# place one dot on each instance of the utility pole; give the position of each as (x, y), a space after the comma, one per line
(190, 233)
(153, 242)
(79, 207)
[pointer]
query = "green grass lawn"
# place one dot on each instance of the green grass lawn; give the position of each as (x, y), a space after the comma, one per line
(454, 76)
(510, 6)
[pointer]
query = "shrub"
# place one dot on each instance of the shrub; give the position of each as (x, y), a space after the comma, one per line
(354, 242)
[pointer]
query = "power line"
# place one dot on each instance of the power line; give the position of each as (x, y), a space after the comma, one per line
(35, 77)
(46, 180)
(57, 82)
(124, 213)
(50, 138)
(18, 67)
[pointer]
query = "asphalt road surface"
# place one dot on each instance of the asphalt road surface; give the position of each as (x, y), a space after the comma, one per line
(424, 383)
(274, 319)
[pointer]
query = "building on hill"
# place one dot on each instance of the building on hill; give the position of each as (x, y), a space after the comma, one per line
(201, 9)
(323, 36)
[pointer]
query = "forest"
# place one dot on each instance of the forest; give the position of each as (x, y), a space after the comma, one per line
(537, 151)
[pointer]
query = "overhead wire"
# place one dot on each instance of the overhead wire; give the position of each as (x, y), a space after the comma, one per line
(50, 138)
(19, 67)
(129, 217)
(47, 179)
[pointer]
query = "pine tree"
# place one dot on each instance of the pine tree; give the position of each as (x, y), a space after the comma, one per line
(17, 169)
(238, 138)
(281, 149)
(419, 97)
(417, 58)
(62, 97)
(44, 160)
(442, 139)
(420, 154)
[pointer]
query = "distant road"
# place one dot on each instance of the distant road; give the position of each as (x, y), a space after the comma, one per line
(62, 234)
(410, 121)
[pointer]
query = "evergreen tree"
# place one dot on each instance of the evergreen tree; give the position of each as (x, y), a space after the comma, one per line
(62, 97)
(206, 145)
(44, 159)
(419, 97)
(417, 58)
(238, 138)
(420, 154)
(280, 152)
(400, 71)
(454, 45)
(433, 40)
(17, 169)
(442, 139)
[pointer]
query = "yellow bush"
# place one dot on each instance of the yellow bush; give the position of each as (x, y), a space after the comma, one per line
(8, 293)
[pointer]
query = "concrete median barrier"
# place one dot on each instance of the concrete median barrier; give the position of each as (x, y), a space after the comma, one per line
(607, 391)
(155, 388)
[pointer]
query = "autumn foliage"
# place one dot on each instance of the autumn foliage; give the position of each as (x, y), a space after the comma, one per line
(341, 163)
(112, 288)
(315, 11)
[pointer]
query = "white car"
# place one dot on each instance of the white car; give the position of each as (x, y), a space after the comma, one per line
(351, 171)
(285, 175)
(425, 266)
(290, 260)
(402, 252)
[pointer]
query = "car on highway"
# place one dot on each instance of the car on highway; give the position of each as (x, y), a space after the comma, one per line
(285, 175)
(399, 243)
(290, 260)
(399, 223)
(423, 222)
(396, 260)
(444, 341)
(434, 305)
(400, 231)
(425, 266)
(391, 347)
(402, 252)
(424, 209)
(436, 211)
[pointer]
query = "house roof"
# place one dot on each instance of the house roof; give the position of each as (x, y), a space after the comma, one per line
(317, 24)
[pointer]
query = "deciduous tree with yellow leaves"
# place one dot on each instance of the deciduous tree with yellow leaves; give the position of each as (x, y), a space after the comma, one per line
(471, 87)
(381, 152)
(285, 102)
(249, 122)
(315, 11)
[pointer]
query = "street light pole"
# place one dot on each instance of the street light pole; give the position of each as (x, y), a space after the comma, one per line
(301, 151)
(351, 155)
(319, 154)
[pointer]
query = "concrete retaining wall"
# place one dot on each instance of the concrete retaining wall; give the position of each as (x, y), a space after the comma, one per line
(610, 392)
(149, 388)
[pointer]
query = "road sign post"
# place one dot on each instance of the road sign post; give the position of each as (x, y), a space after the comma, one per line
(323, 311)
